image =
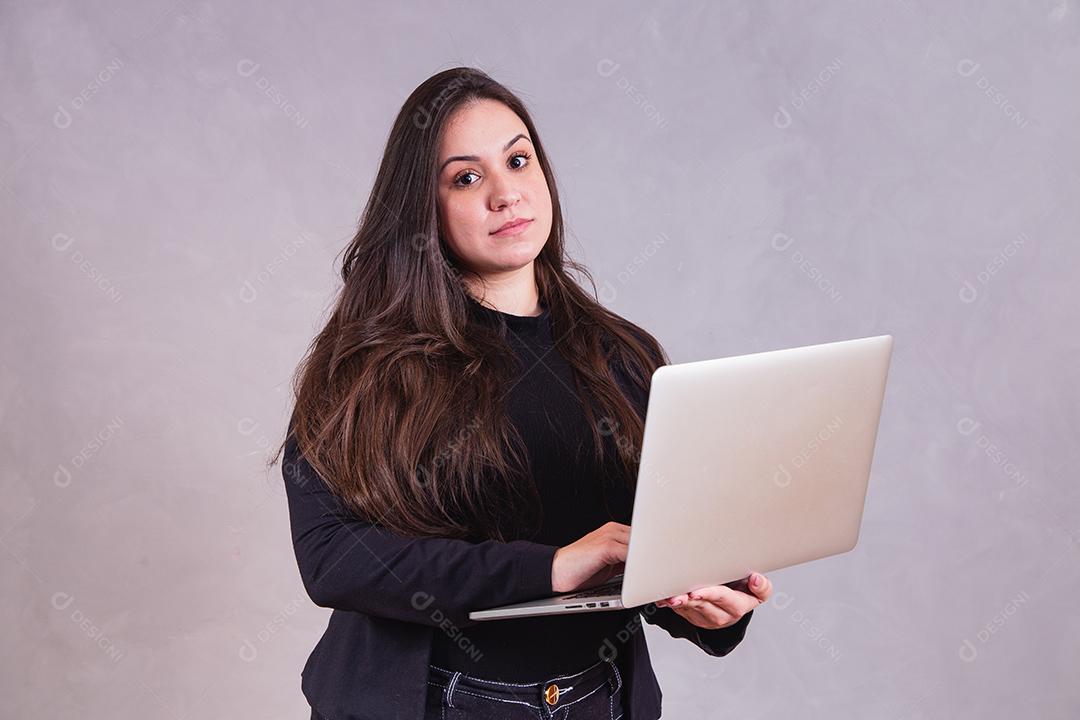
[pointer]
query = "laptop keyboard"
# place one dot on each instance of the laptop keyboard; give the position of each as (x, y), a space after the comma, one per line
(611, 588)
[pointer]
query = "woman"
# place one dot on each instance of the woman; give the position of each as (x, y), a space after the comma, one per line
(464, 437)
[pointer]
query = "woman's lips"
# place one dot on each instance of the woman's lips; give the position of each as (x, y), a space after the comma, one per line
(513, 229)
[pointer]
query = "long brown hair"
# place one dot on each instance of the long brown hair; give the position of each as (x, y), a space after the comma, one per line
(399, 399)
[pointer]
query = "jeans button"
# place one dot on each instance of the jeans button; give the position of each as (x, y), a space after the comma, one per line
(551, 694)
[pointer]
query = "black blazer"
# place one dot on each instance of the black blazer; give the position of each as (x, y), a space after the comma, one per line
(390, 592)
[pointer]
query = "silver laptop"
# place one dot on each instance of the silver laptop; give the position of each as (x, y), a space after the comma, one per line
(749, 463)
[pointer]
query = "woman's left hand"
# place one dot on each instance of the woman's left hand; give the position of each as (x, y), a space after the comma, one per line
(718, 606)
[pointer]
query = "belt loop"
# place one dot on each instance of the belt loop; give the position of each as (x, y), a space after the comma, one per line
(617, 681)
(450, 689)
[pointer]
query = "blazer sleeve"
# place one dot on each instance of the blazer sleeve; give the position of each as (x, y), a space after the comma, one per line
(349, 564)
(716, 643)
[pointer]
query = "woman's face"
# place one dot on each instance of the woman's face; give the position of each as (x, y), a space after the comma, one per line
(499, 180)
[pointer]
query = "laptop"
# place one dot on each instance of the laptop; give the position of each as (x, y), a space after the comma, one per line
(748, 463)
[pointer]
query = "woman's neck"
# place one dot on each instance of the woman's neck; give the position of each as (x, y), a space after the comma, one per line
(514, 293)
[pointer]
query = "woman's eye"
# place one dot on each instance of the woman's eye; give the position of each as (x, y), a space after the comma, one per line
(457, 180)
(524, 156)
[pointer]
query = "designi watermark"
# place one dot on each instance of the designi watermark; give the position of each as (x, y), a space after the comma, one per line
(968, 650)
(63, 602)
(783, 476)
(782, 242)
(782, 118)
(967, 68)
(606, 67)
(969, 427)
(968, 292)
(64, 474)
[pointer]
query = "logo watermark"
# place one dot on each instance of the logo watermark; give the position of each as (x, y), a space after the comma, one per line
(63, 117)
(607, 67)
(969, 427)
(63, 602)
(249, 649)
(968, 292)
(782, 601)
(249, 290)
(968, 650)
(782, 476)
(608, 291)
(781, 242)
(63, 475)
(246, 68)
(967, 68)
(782, 118)
(62, 243)
(421, 600)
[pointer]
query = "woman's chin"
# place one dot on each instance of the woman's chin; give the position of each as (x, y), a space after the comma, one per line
(514, 257)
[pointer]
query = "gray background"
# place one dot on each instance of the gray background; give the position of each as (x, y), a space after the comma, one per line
(178, 176)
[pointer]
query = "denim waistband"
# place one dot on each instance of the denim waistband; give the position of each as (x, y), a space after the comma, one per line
(551, 693)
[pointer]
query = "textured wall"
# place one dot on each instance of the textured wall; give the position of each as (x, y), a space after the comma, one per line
(178, 176)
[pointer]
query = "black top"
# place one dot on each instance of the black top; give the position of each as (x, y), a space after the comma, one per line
(395, 597)
(546, 410)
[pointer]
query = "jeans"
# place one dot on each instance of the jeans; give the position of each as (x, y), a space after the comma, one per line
(590, 694)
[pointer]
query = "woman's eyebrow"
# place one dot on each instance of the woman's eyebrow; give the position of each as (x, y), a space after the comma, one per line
(474, 158)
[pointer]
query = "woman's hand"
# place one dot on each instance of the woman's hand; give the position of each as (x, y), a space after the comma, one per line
(718, 606)
(592, 560)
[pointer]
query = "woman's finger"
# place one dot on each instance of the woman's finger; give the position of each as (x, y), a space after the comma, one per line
(755, 585)
(674, 600)
(704, 613)
(760, 586)
(731, 601)
(716, 593)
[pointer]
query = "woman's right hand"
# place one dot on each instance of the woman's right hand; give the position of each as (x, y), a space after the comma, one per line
(592, 560)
